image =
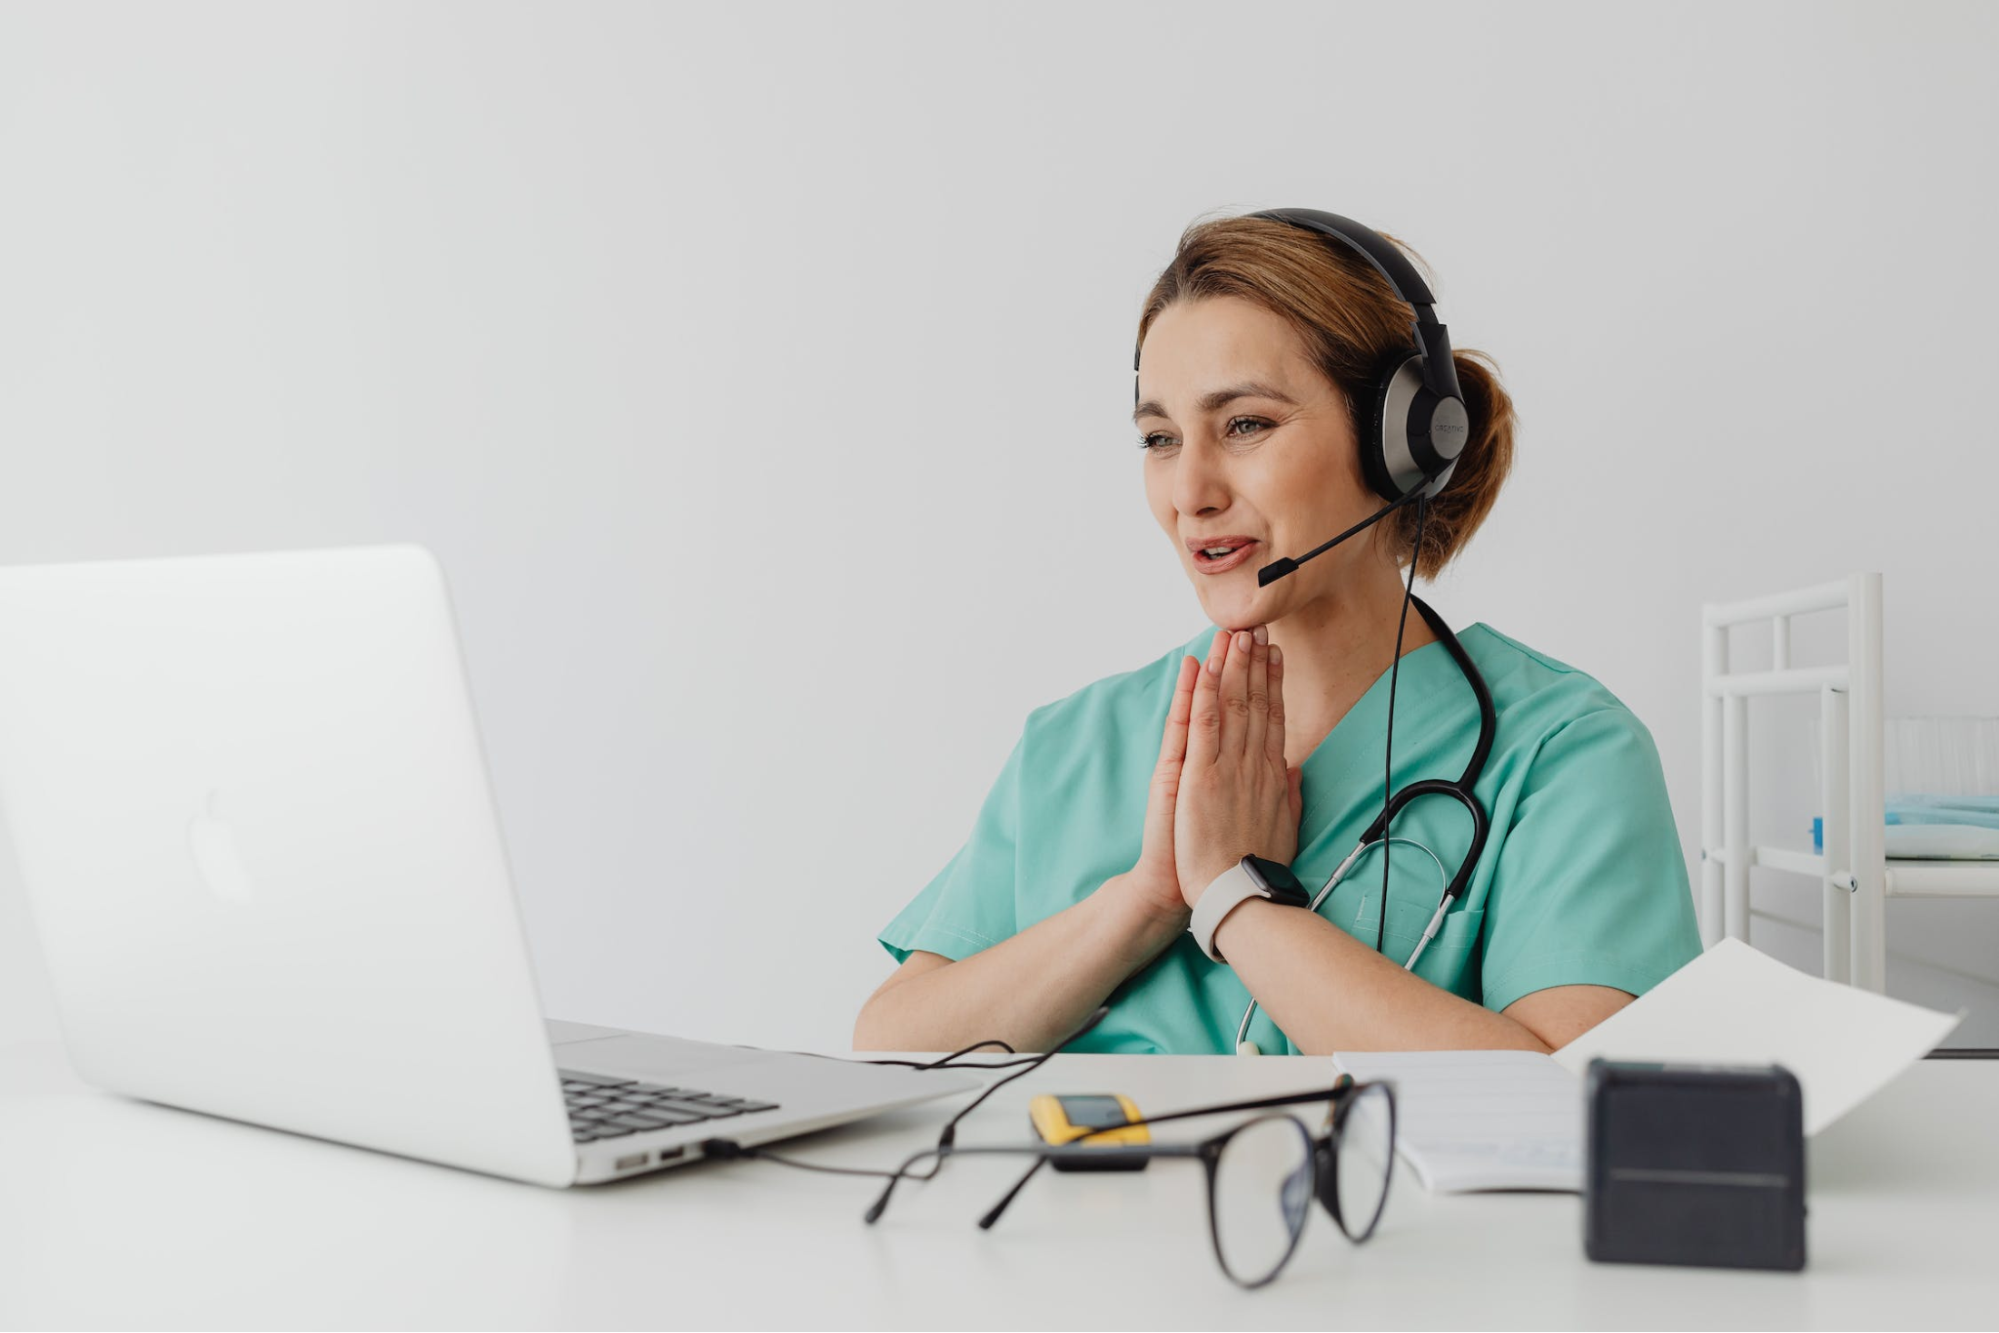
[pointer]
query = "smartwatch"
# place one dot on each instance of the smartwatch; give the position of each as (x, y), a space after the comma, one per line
(1251, 877)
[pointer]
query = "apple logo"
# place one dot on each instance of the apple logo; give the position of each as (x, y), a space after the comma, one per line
(216, 860)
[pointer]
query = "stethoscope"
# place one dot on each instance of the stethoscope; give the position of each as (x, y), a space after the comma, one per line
(1376, 833)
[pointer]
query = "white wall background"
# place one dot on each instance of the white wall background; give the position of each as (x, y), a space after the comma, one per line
(761, 374)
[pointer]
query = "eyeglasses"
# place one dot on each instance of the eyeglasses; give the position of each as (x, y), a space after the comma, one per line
(1262, 1174)
(1347, 1166)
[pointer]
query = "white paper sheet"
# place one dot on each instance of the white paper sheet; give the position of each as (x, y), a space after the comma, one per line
(1482, 1120)
(1485, 1120)
(1734, 1005)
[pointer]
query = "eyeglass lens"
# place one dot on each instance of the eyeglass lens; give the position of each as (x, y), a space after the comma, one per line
(1261, 1193)
(1364, 1158)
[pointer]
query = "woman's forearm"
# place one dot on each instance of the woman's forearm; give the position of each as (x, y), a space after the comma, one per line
(1029, 990)
(1327, 991)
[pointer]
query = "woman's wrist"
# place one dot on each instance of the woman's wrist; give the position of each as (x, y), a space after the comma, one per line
(1144, 921)
(1248, 919)
(1200, 876)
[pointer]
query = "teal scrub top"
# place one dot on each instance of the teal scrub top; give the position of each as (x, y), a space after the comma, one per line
(1581, 881)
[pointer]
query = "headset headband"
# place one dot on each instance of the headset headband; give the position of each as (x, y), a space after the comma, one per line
(1432, 339)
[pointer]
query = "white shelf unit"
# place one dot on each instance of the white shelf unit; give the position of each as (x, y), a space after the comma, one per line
(1854, 872)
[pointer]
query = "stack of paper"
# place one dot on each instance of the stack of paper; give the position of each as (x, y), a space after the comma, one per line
(1481, 1120)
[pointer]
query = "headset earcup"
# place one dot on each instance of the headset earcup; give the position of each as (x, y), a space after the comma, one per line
(1386, 437)
(1417, 438)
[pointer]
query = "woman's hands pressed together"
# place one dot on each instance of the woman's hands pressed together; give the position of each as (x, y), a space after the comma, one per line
(1236, 796)
(1221, 789)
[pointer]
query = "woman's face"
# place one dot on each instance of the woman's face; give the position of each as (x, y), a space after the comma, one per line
(1248, 442)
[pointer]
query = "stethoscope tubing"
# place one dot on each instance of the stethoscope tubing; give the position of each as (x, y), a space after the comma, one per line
(1460, 791)
(1325, 891)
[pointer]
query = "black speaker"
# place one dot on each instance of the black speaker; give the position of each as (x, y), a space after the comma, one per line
(1695, 1164)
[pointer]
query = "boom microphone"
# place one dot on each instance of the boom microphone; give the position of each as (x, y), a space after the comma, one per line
(1277, 569)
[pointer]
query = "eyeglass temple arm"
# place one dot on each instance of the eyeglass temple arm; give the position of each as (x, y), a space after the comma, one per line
(1288, 1099)
(993, 1215)
(1049, 1152)
(946, 1140)
(1261, 1103)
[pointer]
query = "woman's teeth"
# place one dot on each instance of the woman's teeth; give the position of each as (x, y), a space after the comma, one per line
(1222, 559)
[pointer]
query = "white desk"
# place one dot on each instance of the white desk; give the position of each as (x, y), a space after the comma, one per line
(116, 1213)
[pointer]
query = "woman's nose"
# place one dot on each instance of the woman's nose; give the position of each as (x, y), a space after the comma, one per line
(1200, 484)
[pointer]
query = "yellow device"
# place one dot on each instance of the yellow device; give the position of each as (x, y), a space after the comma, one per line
(1060, 1120)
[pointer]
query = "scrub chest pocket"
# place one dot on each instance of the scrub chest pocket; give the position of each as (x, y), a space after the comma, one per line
(1450, 959)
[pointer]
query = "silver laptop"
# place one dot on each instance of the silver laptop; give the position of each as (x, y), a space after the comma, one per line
(253, 819)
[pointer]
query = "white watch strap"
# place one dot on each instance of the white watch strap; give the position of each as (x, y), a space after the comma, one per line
(1230, 890)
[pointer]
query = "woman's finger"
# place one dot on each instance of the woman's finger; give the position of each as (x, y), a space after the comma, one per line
(1204, 723)
(1173, 741)
(1235, 696)
(1161, 803)
(1258, 718)
(1273, 735)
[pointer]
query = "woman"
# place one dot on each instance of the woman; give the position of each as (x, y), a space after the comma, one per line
(1121, 805)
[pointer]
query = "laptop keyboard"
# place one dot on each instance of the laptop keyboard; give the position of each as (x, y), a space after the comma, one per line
(610, 1108)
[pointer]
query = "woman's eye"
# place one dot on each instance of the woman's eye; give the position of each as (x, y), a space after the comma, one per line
(1161, 440)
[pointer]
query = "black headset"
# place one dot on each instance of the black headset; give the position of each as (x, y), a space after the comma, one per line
(1419, 428)
(1418, 424)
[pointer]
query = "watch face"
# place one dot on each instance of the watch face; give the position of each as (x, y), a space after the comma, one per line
(1277, 877)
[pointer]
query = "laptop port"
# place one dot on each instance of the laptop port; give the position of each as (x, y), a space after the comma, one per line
(629, 1160)
(672, 1154)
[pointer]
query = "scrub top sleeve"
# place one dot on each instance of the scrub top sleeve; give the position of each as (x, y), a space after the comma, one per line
(1591, 885)
(969, 906)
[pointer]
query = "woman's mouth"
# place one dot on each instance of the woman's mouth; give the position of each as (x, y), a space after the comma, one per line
(1218, 555)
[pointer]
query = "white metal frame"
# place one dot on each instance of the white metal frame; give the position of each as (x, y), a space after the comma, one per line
(1853, 871)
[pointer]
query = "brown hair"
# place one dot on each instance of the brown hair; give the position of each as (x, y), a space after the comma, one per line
(1354, 327)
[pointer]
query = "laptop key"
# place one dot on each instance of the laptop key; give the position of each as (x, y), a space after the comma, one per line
(607, 1130)
(592, 1080)
(639, 1122)
(698, 1110)
(675, 1114)
(666, 1118)
(747, 1107)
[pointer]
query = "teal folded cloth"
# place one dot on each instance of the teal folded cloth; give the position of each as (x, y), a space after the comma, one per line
(1935, 828)
(1972, 811)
